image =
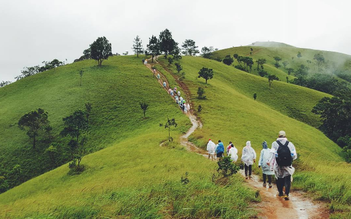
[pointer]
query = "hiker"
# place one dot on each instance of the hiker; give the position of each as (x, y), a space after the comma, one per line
(233, 153)
(284, 153)
(164, 84)
(145, 62)
(158, 76)
(175, 90)
(249, 158)
(178, 93)
(230, 145)
(211, 148)
(265, 157)
(220, 149)
(188, 106)
(185, 109)
(154, 70)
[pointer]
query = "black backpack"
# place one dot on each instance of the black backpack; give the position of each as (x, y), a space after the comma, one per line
(284, 155)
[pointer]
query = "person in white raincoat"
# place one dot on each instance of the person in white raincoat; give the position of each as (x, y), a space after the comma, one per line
(265, 157)
(211, 148)
(282, 173)
(249, 158)
(233, 153)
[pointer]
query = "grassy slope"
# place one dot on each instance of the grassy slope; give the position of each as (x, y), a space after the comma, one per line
(114, 91)
(289, 54)
(231, 114)
(135, 176)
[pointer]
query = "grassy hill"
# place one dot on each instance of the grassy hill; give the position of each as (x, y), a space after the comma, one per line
(231, 114)
(334, 62)
(133, 176)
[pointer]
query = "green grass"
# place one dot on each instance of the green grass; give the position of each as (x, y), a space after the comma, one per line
(231, 114)
(133, 176)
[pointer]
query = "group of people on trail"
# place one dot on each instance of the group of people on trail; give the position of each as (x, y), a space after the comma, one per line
(216, 151)
(276, 161)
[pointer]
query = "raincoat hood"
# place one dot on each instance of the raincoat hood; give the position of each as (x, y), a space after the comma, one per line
(248, 144)
(264, 145)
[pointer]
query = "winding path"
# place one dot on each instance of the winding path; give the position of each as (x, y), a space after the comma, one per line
(271, 206)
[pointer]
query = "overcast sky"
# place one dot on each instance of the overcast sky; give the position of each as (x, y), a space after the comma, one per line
(33, 31)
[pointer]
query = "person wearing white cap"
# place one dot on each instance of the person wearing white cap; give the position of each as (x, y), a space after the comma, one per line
(284, 153)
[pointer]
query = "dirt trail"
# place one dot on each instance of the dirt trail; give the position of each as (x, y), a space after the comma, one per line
(271, 207)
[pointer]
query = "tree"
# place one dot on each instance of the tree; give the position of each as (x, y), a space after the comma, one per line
(100, 50)
(302, 71)
(255, 96)
(153, 47)
(200, 93)
(290, 70)
(299, 55)
(4, 83)
(179, 67)
(35, 122)
(277, 59)
(207, 51)
(189, 47)
(228, 60)
(169, 124)
(319, 58)
(260, 62)
(81, 75)
(206, 74)
(137, 46)
(271, 78)
(170, 61)
(167, 43)
(176, 52)
(144, 107)
(285, 63)
(75, 126)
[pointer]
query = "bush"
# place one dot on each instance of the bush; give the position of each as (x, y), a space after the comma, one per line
(226, 167)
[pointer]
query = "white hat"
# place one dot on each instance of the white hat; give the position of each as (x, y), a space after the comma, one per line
(282, 134)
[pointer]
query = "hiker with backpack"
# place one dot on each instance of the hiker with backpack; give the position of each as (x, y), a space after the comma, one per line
(284, 153)
(249, 158)
(265, 157)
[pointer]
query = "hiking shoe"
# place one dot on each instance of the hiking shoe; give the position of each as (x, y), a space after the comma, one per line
(246, 177)
(270, 185)
(286, 197)
(280, 194)
(264, 185)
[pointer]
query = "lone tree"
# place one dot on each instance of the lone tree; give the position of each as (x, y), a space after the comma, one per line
(137, 46)
(35, 122)
(277, 59)
(255, 96)
(169, 123)
(100, 49)
(207, 51)
(206, 74)
(153, 47)
(299, 55)
(75, 126)
(271, 78)
(228, 60)
(81, 75)
(144, 107)
(200, 93)
(260, 62)
(179, 67)
(189, 48)
(167, 44)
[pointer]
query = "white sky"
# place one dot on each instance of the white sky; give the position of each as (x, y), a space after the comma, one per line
(33, 31)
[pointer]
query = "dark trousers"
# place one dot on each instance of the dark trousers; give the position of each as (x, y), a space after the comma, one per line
(281, 182)
(269, 178)
(248, 168)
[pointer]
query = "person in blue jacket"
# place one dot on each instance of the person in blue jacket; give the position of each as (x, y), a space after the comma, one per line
(220, 149)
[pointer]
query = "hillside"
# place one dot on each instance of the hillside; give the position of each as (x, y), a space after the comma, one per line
(133, 176)
(231, 114)
(334, 63)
